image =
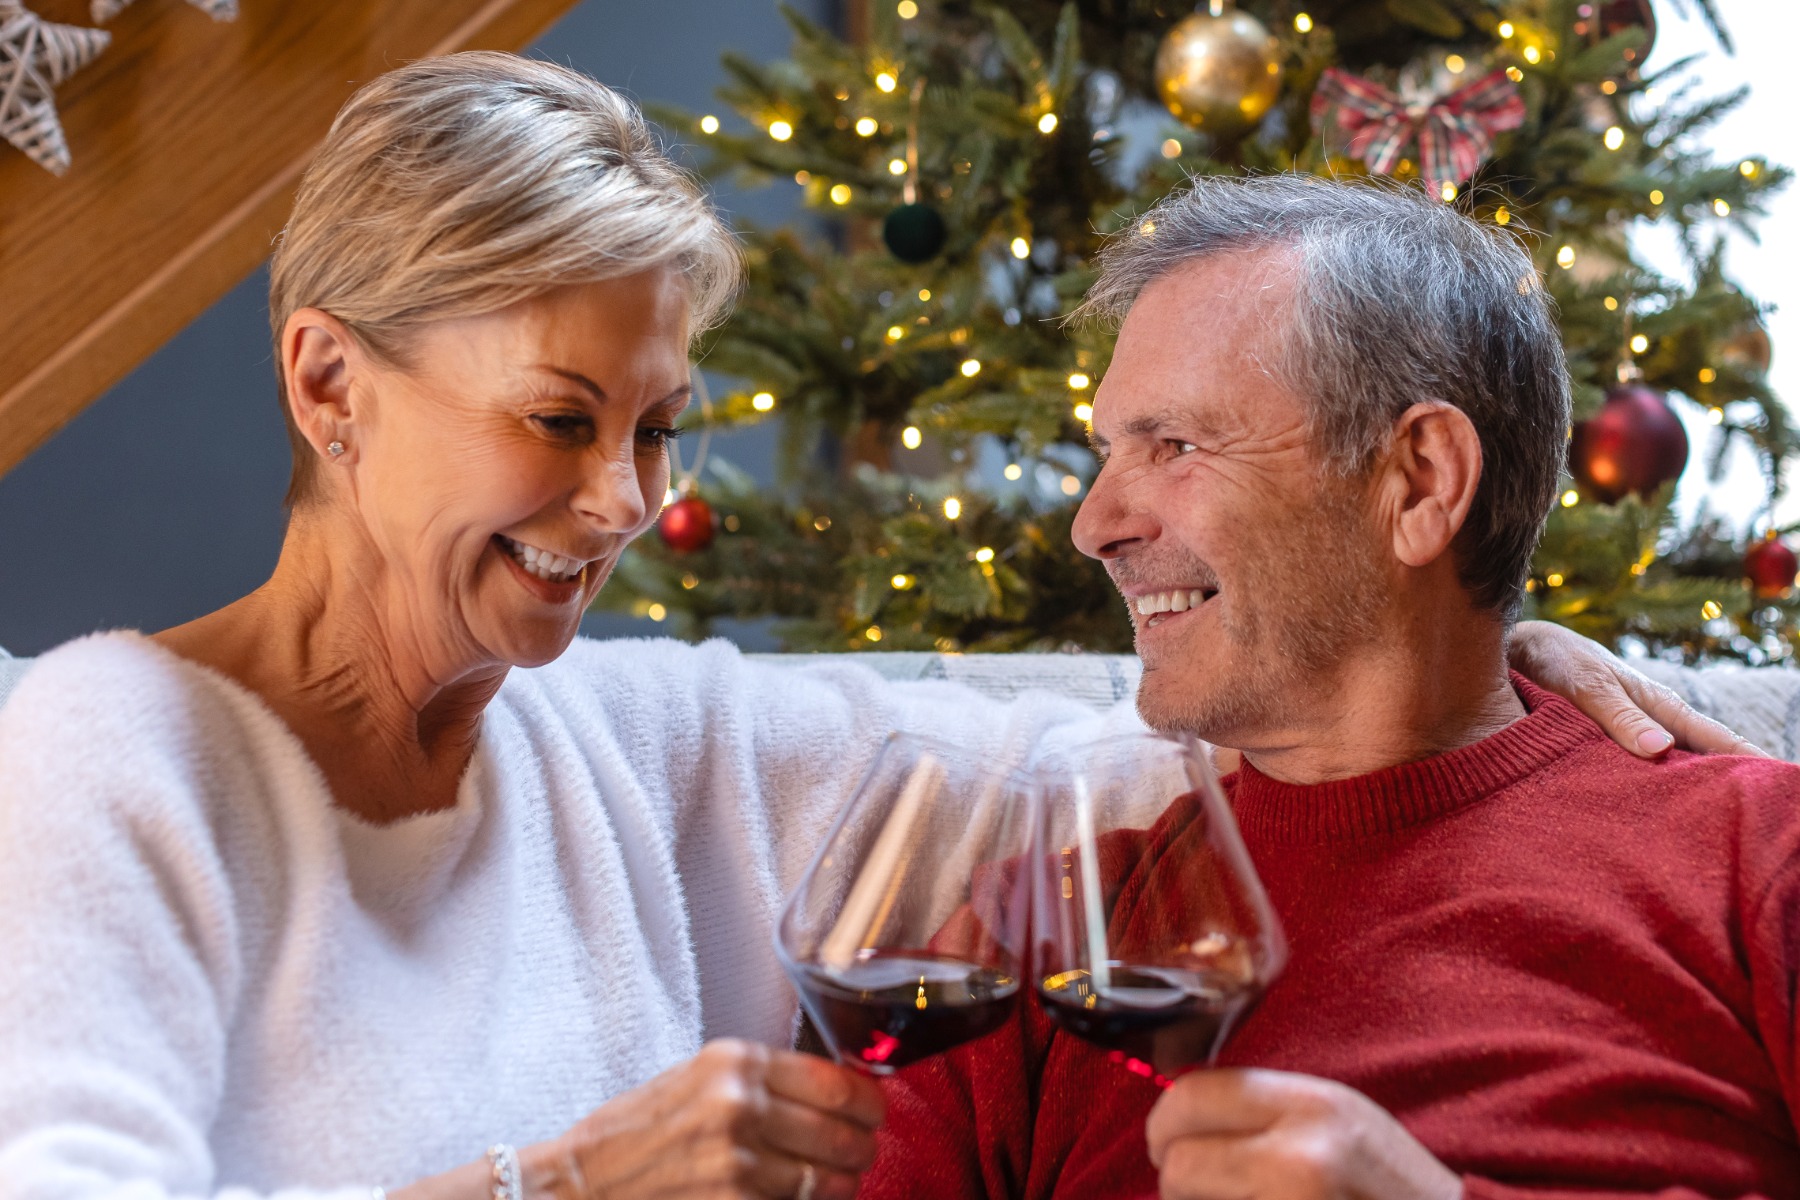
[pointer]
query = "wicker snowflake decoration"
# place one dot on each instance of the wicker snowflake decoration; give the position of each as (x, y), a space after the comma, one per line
(35, 56)
(219, 10)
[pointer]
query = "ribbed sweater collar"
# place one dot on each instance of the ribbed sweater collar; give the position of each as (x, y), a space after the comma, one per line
(1395, 798)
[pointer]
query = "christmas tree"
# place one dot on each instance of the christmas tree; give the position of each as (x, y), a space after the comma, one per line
(967, 160)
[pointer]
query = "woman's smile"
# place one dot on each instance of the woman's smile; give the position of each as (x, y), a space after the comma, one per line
(550, 577)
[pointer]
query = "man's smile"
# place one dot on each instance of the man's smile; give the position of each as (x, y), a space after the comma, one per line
(1159, 607)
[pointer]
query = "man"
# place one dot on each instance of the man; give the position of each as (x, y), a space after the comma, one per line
(1523, 962)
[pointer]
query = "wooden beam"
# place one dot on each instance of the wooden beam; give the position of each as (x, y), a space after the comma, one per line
(189, 139)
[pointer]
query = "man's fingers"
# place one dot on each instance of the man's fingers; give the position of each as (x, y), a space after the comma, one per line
(807, 1133)
(1690, 729)
(819, 1084)
(1207, 1167)
(1218, 1102)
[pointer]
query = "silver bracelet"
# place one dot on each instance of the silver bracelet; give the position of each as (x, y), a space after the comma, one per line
(504, 1161)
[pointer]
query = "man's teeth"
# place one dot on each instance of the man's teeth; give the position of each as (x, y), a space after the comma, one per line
(1162, 602)
(553, 568)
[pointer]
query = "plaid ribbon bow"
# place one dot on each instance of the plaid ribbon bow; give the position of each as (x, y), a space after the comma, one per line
(1454, 132)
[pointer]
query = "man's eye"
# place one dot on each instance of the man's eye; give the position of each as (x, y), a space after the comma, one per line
(1177, 446)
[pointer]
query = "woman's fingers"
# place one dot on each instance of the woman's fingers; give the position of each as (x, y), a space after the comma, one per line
(817, 1083)
(1690, 729)
(1642, 716)
(818, 1137)
(781, 1178)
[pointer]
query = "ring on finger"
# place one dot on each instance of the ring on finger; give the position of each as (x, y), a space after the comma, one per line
(809, 1180)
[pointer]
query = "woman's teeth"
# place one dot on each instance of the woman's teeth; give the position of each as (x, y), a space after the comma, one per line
(1178, 601)
(552, 568)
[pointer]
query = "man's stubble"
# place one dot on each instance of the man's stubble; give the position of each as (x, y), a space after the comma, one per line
(1305, 596)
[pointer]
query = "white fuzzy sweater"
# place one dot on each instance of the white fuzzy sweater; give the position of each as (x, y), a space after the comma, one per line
(214, 983)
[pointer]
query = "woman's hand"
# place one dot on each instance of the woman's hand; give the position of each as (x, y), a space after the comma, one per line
(1643, 716)
(736, 1121)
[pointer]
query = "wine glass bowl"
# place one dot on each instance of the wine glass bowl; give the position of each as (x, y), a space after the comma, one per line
(1152, 935)
(905, 935)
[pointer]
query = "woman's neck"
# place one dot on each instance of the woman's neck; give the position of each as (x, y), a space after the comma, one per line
(389, 711)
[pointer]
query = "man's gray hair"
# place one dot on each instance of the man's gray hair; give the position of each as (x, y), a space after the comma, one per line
(1399, 299)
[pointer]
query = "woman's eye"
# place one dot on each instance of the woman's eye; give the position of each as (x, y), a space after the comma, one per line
(564, 425)
(659, 436)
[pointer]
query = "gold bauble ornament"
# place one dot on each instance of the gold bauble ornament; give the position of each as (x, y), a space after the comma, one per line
(1748, 350)
(1219, 73)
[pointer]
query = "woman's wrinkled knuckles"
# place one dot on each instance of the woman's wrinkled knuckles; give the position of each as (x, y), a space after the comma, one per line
(726, 1169)
(748, 1059)
(733, 1107)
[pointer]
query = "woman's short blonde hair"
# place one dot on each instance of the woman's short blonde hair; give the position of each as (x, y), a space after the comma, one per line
(460, 185)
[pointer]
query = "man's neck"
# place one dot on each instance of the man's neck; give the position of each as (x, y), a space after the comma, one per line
(1424, 689)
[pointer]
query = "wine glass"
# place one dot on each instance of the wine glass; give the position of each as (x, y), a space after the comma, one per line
(905, 936)
(1151, 934)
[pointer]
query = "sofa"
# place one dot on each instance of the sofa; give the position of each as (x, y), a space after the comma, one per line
(1762, 704)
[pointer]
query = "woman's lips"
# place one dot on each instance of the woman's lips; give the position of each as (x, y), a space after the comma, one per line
(550, 593)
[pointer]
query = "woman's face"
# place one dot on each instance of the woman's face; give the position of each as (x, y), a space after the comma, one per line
(502, 472)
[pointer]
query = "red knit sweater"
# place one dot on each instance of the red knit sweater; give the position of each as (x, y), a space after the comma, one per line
(1567, 971)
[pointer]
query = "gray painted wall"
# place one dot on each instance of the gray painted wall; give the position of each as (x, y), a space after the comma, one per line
(163, 500)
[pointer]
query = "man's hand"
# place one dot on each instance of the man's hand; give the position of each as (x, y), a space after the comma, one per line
(1271, 1135)
(1643, 716)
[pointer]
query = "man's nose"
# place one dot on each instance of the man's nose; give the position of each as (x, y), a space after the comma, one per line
(611, 496)
(1109, 523)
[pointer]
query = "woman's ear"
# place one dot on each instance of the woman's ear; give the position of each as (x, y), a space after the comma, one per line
(320, 362)
(1436, 466)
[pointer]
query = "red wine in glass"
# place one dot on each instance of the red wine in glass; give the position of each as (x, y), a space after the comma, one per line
(891, 1008)
(1151, 932)
(905, 935)
(1165, 1018)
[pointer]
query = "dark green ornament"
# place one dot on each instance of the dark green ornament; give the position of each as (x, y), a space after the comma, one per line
(915, 232)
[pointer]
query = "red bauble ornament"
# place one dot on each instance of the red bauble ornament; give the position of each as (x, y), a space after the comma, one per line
(1633, 444)
(686, 526)
(1770, 567)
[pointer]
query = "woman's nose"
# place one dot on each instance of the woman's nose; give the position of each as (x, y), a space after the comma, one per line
(611, 495)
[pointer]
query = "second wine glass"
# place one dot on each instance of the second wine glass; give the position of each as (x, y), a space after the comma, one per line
(1152, 935)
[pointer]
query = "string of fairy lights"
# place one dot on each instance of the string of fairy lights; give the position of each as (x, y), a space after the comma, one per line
(1523, 44)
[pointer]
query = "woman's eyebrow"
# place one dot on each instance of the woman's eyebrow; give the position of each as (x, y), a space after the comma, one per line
(575, 377)
(681, 393)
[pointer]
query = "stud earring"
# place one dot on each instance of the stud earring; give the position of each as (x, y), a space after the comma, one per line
(335, 449)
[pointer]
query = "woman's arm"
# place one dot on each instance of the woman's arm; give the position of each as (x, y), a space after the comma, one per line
(1641, 715)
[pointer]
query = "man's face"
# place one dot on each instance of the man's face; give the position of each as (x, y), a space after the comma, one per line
(1250, 568)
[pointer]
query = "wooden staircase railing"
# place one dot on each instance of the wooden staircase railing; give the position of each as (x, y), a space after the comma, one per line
(189, 138)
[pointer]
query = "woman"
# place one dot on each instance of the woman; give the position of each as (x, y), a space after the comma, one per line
(316, 895)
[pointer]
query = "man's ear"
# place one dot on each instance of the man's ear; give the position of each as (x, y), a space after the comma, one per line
(1433, 468)
(320, 358)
